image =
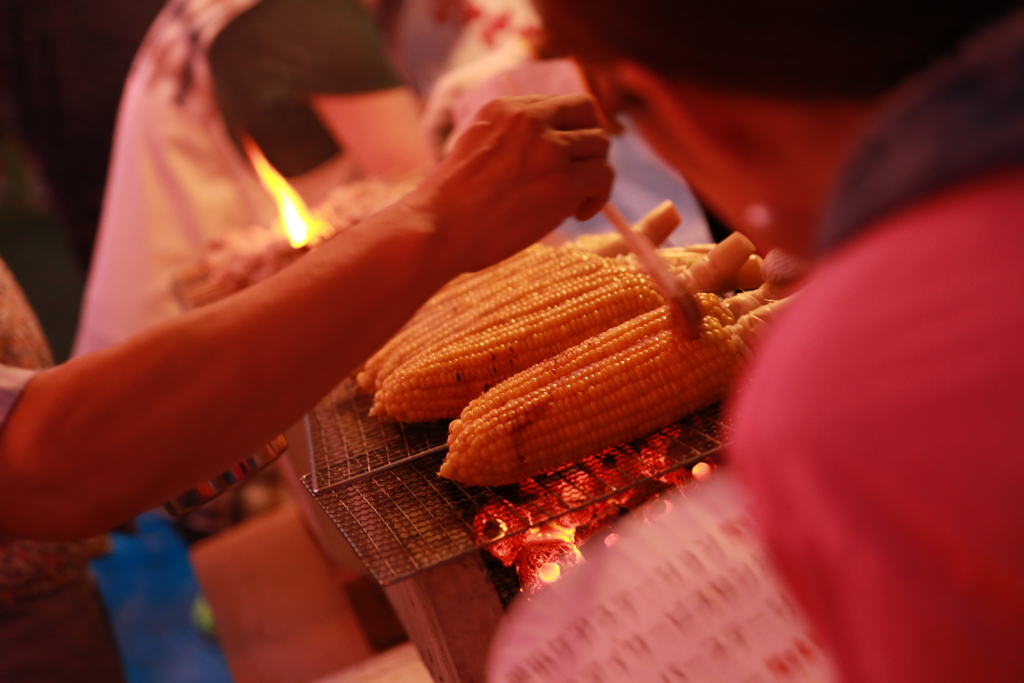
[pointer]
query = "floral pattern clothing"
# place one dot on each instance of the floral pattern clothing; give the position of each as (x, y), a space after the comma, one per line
(32, 568)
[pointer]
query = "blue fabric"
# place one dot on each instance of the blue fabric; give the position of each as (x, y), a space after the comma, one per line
(149, 589)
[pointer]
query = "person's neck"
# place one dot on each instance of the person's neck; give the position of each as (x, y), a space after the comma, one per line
(800, 149)
(784, 157)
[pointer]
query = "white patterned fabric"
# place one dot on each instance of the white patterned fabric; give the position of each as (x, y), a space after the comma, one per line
(12, 382)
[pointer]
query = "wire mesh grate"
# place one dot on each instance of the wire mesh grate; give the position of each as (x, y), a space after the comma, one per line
(377, 482)
(348, 443)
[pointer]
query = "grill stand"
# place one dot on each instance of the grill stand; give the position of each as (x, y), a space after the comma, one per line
(375, 492)
(450, 612)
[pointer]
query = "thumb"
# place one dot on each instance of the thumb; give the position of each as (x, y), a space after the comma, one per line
(593, 179)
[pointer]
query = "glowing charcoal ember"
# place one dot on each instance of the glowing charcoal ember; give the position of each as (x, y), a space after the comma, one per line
(550, 572)
(507, 549)
(575, 487)
(640, 494)
(493, 530)
(678, 478)
(578, 518)
(701, 471)
(658, 509)
(533, 557)
(616, 508)
(654, 454)
(492, 524)
(550, 532)
(594, 515)
(602, 517)
(543, 547)
(635, 472)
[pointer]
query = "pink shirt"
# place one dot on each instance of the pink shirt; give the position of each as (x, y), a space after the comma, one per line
(882, 440)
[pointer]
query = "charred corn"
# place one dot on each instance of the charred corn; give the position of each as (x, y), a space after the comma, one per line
(439, 384)
(618, 386)
(434, 374)
(469, 300)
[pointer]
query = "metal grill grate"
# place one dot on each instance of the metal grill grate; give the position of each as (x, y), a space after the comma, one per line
(377, 482)
(348, 444)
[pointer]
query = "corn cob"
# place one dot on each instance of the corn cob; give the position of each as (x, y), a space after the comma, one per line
(724, 259)
(747, 276)
(473, 299)
(462, 293)
(470, 299)
(439, 384)
(474, 289)
(618, 386)
(729, 265)
(456, 362)
(657, 225)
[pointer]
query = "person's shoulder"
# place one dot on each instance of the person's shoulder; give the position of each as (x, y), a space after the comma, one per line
(879, 433)
(926, 272)
(905, 332)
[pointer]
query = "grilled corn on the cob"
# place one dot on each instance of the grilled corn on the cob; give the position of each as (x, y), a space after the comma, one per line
(618, 386)
(435, 374)
(439, 384)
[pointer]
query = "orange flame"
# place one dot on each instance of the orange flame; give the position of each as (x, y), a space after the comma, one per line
(298, 224)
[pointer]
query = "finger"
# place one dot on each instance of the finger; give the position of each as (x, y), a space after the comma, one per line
(436, 127)
(583, 144)
(588, 209)
(592, 179)
(569, 112)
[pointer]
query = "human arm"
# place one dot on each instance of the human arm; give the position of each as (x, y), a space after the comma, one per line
(105, 435)
(379, 130)
(305, 77)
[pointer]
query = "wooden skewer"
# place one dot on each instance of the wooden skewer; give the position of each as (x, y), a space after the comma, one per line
(682, 307)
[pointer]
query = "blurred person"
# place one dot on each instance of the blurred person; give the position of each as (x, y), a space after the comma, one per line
(305, 79)
(879, 432)
(517, 60)
(434, 43)
(87, 444)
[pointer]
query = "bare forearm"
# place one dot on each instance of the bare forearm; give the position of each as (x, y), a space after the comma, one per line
(109, 434)
(379, 129)
(149, 418)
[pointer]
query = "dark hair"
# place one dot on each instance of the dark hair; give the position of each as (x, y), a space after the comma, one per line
(820, 49)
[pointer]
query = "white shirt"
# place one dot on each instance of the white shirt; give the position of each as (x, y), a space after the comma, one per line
(176, 180)
(12, 382)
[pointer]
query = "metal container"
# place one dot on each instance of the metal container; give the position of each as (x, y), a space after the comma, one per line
(210, 489)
